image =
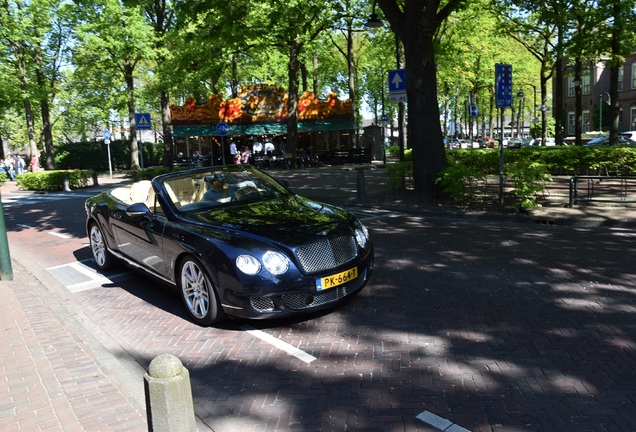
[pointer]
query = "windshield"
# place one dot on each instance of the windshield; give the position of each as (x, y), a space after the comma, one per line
(206, 189)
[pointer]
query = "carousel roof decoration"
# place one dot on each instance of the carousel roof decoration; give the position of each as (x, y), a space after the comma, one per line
(259, 104)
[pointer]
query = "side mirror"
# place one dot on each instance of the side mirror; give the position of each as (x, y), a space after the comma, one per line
(138, 210)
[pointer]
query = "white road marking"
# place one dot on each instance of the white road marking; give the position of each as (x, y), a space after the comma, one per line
(284, 346)
(64, 236)
(24, 226)
(95, 279)
(439, 423)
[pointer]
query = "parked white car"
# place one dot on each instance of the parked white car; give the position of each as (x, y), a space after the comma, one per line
(629, 135)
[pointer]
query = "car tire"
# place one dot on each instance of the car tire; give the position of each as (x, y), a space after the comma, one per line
(102, 257)
(198, 293)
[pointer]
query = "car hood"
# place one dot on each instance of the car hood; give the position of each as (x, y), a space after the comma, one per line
(290, 219)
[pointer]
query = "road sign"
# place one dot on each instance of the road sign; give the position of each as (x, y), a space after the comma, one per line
(106, 134)
(503, 85)
(397, 81)
(142, 120)
(397, 97)
(473, 111)
(222, 128)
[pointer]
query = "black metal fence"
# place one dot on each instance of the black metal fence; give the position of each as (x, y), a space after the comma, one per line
(607, 189)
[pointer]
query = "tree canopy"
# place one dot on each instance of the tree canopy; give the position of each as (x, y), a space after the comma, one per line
(72, 69)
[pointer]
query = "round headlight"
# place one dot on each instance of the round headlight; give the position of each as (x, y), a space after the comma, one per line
(248, 264)
(275, 262)
(362, 235)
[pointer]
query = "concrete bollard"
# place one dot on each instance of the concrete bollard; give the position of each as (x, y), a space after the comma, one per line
(361, 194)
(169, 403)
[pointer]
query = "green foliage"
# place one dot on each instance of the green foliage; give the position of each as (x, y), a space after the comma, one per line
(54, 180)
(3, 178)
(528, 180)
(527, 170)
(148, 173)
(399, 174)
(464, 183)
(93, 155)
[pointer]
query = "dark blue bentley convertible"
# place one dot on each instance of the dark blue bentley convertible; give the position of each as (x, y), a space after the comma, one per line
(234, 241)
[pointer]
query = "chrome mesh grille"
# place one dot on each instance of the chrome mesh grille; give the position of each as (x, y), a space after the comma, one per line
(326, 253)
(305, 301)
(262, 304)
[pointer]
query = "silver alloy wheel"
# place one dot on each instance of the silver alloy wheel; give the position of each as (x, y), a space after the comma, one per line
(98, 247)
(196, 289)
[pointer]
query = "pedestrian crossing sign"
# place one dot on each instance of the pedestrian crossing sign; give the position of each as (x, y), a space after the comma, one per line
(142, 120)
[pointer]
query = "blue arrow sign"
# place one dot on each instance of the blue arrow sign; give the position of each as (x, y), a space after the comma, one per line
(222, 128)
(473, 111)
(142, 120)
(397, 81)
(106, 134)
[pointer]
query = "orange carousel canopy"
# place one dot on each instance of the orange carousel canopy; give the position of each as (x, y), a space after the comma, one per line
(259, 104)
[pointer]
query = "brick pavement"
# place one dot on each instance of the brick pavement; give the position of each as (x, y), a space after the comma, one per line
(42, 347)
(53, 377)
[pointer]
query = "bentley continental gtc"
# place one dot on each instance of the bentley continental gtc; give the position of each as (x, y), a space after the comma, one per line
(234, 241)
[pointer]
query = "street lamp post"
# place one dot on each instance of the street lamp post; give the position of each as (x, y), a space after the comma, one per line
(578, 109)
(520, 119)
(600, 108)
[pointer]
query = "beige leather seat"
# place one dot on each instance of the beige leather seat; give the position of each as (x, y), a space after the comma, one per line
(140, 191)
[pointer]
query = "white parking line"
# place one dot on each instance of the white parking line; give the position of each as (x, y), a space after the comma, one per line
(64, 236)
(87, 278)
(439, 423)
(290, 349)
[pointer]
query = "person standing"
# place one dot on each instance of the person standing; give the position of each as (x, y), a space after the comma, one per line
(34, 164)
(20, 165)
(234, 153)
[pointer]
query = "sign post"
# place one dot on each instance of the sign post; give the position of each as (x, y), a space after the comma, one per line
(503, 97)
(222, 129)
(397, 85)
(107, 142)
(142, 122)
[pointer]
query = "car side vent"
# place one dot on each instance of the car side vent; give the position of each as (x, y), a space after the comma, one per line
(326, 253)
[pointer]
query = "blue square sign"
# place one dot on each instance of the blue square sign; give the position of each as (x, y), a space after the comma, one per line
(142, 120)
(503, 85)
(397, 81)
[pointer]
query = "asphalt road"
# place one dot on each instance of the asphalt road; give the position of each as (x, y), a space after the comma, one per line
(466, 324)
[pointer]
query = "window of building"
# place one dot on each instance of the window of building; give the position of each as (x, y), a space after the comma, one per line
(621, 74)
(632, 118)
(570, 123)
(633, 76)
(586, 78)
(570, 86)
(586, 121)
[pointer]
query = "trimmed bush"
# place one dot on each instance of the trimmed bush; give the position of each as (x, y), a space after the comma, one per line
(54, 180)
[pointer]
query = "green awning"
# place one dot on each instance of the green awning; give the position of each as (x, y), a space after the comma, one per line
(265, 128)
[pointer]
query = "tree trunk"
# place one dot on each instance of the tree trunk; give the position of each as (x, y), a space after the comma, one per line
(578, 115)
(166, 122)
(425, 135)
(28, 111)
(292, 102)
(130, 89)
(616, 63)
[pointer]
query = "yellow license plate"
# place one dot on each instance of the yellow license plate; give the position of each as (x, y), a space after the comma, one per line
(337, 279)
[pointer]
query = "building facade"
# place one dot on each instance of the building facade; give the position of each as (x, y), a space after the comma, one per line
(595, 98)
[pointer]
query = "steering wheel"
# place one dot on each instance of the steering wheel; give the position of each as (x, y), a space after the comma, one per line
(242, 193)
